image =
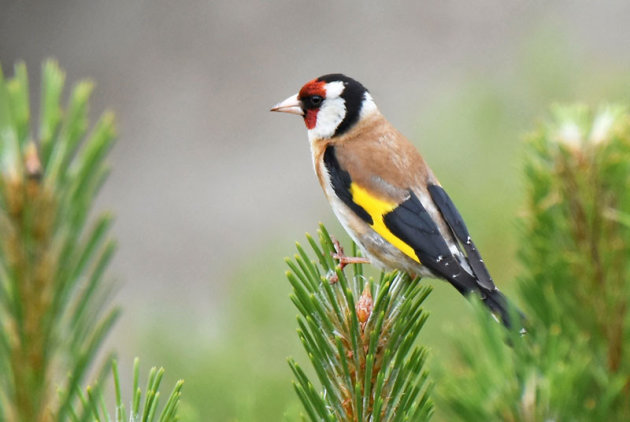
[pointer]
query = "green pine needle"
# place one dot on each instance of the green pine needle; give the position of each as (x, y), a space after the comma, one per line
(54, 257)
(574, 362)
(361, 349)
(96, 407)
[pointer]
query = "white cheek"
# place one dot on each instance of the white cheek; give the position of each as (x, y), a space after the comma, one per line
(330, 115)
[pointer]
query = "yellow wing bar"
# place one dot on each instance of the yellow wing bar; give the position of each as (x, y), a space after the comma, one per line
(377, 208)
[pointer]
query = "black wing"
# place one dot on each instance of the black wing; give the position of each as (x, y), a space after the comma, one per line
(411, 222)
(491, 296)
(455, 221)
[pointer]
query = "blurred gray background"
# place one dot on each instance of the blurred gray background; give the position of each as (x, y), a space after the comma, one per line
(205, 179)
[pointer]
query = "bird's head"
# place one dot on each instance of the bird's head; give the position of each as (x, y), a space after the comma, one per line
(330, 105)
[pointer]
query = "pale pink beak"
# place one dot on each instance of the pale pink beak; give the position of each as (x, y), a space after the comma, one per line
(290, 105)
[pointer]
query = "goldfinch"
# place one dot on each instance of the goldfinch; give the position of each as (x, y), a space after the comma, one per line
(383, 193)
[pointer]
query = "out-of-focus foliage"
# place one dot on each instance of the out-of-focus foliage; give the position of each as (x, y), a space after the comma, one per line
(94, 409)
(52, 257)
(577, 232)
(575, 287)
(53, 291)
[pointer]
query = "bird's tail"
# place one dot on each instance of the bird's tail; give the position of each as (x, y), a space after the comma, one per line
(500, 306)
(467, 284)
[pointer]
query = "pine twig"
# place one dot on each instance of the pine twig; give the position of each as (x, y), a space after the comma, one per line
(359, 335)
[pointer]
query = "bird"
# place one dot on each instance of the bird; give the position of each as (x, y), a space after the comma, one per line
(384, 194)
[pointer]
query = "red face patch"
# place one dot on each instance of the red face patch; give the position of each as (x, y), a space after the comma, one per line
(310, 118)
(311, 88)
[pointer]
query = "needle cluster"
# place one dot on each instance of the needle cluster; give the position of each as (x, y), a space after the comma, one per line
(359, 335)
(54, 313)
(573, 364)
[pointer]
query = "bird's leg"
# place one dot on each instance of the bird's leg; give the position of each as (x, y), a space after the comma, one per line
(344, 260)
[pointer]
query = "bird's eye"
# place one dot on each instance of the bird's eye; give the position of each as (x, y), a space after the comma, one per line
(316, 100)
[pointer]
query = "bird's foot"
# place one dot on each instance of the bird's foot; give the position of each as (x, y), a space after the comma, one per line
(344, 260)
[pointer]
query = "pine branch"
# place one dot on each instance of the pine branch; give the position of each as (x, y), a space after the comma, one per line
(51, 267)
(359, 335)
(54, 315)
(588, 181)
(93, 406)
(575, 287)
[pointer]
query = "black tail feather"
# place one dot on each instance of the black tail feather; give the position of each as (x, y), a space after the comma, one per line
(500, 306)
